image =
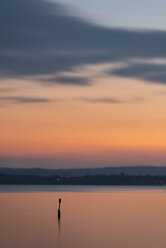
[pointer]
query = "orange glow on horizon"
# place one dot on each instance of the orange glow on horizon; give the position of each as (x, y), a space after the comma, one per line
(74, 126)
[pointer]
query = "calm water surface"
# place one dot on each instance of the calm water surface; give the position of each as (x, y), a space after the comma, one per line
(109, 217)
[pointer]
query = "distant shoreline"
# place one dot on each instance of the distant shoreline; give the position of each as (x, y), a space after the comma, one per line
(98, 180)
(79, 172)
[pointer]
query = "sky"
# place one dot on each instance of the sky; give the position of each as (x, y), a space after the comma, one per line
(82, 83)
(140, 14)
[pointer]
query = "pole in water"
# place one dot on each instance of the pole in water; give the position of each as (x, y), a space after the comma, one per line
(59, 209)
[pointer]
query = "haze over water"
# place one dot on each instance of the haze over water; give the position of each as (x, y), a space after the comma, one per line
(91, 217)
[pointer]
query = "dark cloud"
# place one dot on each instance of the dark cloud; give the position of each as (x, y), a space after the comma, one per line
(100, 100)
(18, 99)
(80, 81)
(148, 72)
(26, 100)
(109, 100)
(39, 38)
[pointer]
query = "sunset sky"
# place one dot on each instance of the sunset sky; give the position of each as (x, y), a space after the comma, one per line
(82, 83)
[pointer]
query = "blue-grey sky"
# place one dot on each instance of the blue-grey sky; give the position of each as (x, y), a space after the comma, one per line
(146, 14)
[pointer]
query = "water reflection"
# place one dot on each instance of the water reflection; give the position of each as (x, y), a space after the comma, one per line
(118, 219)
(59, 226)
(59, 233)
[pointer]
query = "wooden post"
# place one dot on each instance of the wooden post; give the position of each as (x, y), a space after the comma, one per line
(59, 209)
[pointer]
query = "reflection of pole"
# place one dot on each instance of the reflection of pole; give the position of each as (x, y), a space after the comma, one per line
(59, 209)
(59, 232)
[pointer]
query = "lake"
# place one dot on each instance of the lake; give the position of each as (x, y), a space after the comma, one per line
(91, 216)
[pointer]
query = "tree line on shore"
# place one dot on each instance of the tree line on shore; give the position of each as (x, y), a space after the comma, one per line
(120, 179)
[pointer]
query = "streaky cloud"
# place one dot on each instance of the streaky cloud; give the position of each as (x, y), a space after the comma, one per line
(79, 81)
(107, 100)
(100, 100)
(4, 90)
(17, 99)
(145, 71)
(39, 38)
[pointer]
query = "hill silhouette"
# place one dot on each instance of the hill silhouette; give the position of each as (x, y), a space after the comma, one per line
(129, 170)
